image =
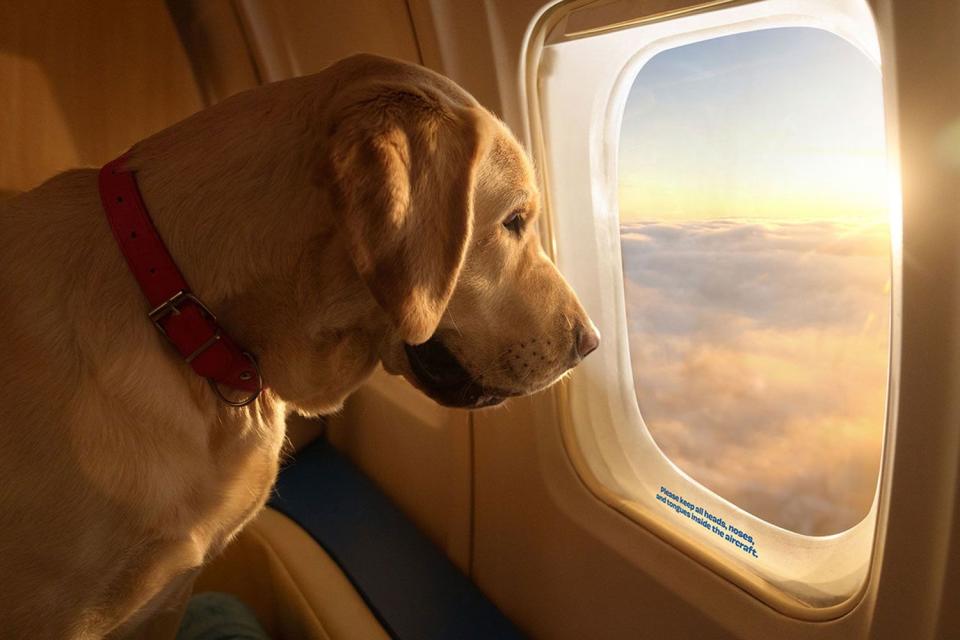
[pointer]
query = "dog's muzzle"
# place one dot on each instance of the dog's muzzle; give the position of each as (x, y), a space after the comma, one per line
(441, 376)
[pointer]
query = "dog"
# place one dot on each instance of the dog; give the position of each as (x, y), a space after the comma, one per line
(371, 213)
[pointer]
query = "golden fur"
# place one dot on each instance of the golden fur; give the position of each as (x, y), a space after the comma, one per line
(327, 220)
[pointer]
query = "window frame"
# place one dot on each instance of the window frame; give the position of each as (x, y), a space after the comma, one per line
(542, 34)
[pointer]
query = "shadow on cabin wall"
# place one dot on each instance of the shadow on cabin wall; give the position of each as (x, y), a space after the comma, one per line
(83, 81)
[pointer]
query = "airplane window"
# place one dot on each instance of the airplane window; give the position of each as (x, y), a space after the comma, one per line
(755, 238)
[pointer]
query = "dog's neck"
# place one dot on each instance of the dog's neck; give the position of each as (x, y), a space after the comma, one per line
(214, 205)
(252, 234)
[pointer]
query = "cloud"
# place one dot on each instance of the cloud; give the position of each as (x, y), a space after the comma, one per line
(759, 354)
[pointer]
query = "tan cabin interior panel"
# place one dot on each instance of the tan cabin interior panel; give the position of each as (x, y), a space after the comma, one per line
(298, 37)
(74, 92)
(74, 88)
(217, 45)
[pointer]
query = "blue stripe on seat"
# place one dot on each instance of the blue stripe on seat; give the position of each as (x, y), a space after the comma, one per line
(412, 588)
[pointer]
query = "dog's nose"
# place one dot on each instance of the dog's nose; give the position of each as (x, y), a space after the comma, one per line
(588, 339)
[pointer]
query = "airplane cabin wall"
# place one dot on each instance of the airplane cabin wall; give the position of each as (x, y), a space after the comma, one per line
(299, 37)
(72, 87)
(72, 72)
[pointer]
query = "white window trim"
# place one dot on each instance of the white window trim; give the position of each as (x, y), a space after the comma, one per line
(814, 578)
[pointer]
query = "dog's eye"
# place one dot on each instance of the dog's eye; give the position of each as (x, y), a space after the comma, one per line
(514, 223)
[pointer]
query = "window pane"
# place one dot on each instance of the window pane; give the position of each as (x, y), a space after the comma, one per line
(755, 241)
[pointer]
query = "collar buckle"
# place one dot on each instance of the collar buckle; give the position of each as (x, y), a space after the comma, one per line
(182, 318)
(172, 306)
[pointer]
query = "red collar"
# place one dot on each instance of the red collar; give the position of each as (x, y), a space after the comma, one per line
(179, 315)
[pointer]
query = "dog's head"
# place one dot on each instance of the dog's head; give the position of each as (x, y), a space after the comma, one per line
(437, 204)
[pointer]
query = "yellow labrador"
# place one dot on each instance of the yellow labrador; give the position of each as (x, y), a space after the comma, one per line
(370, 213)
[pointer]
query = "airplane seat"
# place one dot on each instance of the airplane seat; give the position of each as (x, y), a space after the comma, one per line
(289, 581)
(292, 585)
(332, 557)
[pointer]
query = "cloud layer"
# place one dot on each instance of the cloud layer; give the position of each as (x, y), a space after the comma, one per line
(760, 353)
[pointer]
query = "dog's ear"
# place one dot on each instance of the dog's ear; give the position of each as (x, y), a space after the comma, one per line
(399, 166)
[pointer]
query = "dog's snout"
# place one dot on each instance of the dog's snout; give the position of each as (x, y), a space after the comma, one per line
(587, 339)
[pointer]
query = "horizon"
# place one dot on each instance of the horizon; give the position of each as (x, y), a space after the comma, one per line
(773, 123)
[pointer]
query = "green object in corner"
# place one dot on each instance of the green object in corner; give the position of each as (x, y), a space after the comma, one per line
(219, 616)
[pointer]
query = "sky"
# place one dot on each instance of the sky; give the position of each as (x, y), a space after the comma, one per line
(780, 123)
(756, 262)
